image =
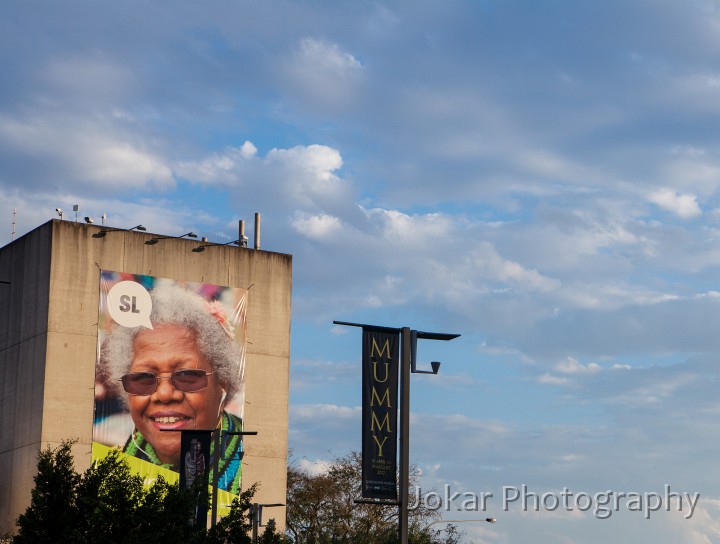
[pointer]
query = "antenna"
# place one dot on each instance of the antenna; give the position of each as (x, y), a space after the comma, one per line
(104, 217)
(75, 209)
(14, 216)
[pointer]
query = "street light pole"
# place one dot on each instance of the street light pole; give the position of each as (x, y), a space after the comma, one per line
(408, 356)
(256, 513)
(216, 466)
(408, 361)
(404, 433)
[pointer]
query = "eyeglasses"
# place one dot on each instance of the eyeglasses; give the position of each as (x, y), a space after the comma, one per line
(186, 380)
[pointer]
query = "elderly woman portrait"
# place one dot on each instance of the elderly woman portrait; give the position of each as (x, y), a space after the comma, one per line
(179, 374)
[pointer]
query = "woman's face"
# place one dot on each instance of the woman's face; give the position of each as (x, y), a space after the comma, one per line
(163, 350)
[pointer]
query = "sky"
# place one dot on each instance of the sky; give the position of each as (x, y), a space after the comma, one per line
(540, 177)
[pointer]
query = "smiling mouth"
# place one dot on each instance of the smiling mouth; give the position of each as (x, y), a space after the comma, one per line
(168, 420)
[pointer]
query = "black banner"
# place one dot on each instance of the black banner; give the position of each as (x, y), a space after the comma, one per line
(194, 464)
(379, 415)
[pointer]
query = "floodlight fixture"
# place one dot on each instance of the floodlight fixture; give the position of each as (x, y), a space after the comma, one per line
(59, 212)
(104, 231)
(89, 220)
(156, 239)
(414, 335)
(200, 249)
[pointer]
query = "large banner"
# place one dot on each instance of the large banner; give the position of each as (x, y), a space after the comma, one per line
(171, 358)
(379, 413)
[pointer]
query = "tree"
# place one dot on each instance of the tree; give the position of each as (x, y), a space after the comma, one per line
(270, 535)
(52, 507)
(321, 510)
(109, 504)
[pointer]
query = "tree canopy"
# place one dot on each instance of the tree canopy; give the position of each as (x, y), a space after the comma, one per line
(107, 504)
(322, 510)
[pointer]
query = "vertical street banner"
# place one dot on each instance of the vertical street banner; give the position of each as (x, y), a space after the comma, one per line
(194, 466)
(379, 413)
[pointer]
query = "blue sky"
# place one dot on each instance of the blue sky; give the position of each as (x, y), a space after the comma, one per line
(542, 177)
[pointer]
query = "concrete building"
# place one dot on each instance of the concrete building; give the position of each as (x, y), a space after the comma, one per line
(49, 294)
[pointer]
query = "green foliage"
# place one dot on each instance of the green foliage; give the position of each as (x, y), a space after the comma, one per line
(270, 535)
(110, 505)
(52, 508)
(236, 526)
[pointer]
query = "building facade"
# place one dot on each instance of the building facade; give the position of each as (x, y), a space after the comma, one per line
(49, 298)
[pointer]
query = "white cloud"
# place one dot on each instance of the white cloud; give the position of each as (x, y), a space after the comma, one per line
(320, 56)
(682, 205)
(299, 179)
(549, 379)
(316, 226)
(573, 366)
(325, 412)
(314, 468)
(88, 152)
(322, 74)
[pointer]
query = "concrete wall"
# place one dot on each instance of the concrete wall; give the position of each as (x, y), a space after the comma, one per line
(23, 335)
(61, 407)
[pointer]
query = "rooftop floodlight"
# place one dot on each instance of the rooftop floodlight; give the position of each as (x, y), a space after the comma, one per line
(200, 249)
(89, 220)
(104, 231)
(156, 239)
(59, 212)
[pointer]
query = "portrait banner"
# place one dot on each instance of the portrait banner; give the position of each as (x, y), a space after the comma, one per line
(380, 366)
(170, 360)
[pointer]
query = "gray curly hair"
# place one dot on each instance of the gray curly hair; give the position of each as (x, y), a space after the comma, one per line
(172, 304)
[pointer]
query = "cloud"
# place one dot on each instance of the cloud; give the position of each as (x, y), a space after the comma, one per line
(316, 226)
(300, 179)
(682, 205)
(572, 366)
(78, 152)
(323, 74)
(549, 379)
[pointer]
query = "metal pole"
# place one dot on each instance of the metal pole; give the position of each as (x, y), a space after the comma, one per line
(257, 230)
(404, 433)
(255, 522)
(216, 476)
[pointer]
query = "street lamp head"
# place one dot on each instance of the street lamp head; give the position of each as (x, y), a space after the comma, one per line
(435, 366)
